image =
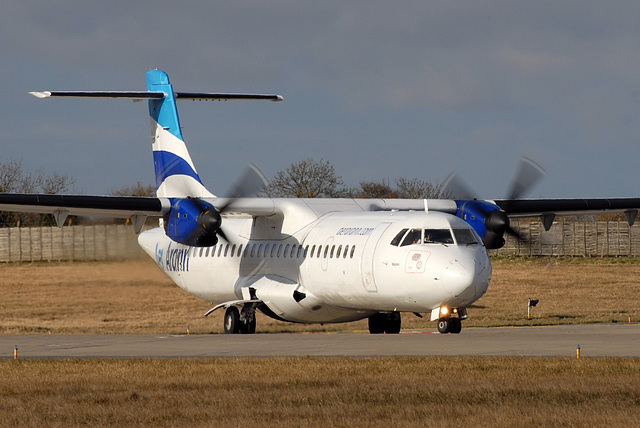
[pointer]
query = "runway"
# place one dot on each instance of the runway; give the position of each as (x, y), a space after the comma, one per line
(597, 340)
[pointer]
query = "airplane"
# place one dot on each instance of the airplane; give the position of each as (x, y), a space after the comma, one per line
(330, 260)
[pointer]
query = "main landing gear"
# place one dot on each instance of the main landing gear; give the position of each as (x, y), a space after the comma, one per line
(385, 323)
(236, 322)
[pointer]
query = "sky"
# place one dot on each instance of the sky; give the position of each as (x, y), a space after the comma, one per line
(381, 90)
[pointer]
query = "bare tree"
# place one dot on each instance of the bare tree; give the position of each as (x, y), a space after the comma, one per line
(306, 179)
(139, 189)
(13, 179)
(415, 188)
(404, 189)
(374, 189)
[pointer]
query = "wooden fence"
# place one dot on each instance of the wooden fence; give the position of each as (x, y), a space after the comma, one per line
(116, 242)
(82, 243)
(574, 238)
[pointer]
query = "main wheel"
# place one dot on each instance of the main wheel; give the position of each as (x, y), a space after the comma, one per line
(393, 323)
(248, 327)
(377, 323)
(232, 320)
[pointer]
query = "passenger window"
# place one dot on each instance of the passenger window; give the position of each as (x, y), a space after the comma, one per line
(300, 249)
(273, 250)
(313, 249)
(279, 250)
(338, 251)
(326, 251)
(293, 251)
(396, 241)
(414, 236)
(239, 250)
(333, 248)
(260, 250)
(220, 250)
(233, 250)
(306, 251)
(253, 250)
(353, 250)
(266, 250)
(437, 236)
(319, 251)
(201, 250)
(206, 253)
(346, 251)
(226, 250)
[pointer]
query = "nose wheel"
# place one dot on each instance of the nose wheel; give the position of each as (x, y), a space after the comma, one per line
(449, 325)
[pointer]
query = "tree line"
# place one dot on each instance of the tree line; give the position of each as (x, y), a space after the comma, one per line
(308, 178)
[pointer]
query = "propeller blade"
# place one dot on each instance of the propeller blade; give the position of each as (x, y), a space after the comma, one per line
(453, 187)
(248, 183)
(528, 172)
(511, 231)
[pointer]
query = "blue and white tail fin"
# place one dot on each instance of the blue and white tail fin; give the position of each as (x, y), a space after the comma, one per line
(176, 174)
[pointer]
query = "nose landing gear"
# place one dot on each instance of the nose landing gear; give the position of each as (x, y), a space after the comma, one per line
(449, 320)
(449, 325)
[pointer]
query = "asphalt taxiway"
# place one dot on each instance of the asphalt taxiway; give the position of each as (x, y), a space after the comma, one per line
(597, 340)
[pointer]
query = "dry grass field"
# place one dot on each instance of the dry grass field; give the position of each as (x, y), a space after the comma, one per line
(340, 392)
(136, 297)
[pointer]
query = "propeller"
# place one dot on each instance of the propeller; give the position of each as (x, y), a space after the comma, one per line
(496, 222)
(250, 181)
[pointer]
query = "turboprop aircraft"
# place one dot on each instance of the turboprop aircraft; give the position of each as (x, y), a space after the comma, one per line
(309, 260)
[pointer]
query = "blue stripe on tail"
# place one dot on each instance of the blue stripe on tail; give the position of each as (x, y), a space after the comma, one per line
(167, 164)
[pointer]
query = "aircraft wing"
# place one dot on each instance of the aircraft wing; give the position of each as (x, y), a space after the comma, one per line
(541, 207)
(105, 206)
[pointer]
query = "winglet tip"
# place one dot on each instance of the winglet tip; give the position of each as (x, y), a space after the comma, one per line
(43, 94)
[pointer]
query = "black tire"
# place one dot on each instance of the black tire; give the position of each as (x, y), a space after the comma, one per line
(248, 328)
(232, 320)
(455, 325)
(393, 323)
(444, 325)
(377, 323)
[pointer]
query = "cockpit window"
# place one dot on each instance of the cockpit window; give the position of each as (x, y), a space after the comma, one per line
(465, 237)
(414, 236)
(437, 236)
(395, 241)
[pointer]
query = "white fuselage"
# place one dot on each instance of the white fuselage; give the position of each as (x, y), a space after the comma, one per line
(337, 267)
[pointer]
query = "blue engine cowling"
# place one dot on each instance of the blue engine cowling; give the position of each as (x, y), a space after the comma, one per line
(487, 219)
(192, 222)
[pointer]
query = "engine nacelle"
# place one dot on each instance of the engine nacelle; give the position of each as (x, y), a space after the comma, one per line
(192, 222)
(487, 219)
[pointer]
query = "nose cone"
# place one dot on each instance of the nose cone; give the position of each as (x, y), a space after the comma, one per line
(466, 279)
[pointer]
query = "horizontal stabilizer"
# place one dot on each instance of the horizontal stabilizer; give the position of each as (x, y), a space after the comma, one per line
(152, 95)
(206, 96)
(131, 95)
